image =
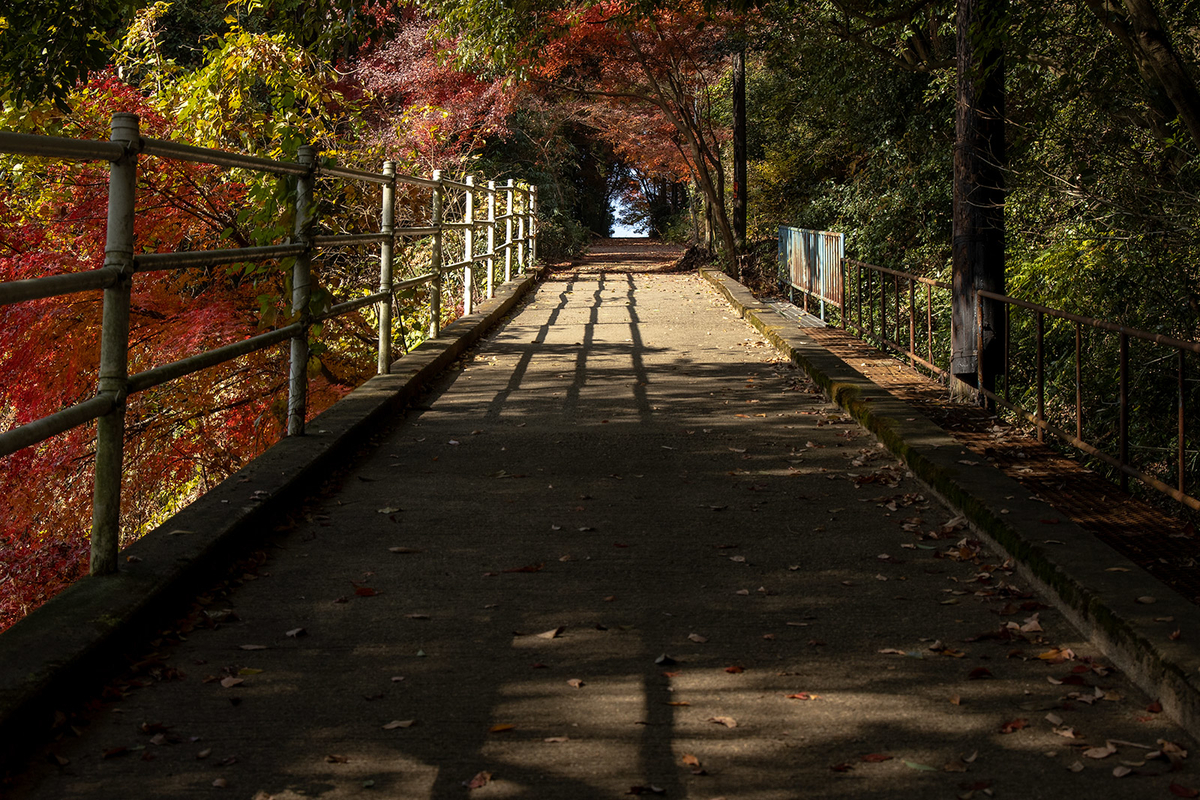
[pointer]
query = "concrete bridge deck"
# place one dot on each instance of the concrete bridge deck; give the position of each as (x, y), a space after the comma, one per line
(624, 548)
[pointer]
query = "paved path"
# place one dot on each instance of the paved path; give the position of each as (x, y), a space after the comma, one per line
(624, 549)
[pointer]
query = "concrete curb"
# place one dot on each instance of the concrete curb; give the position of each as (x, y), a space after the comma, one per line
(1093, 585)
(62, 650)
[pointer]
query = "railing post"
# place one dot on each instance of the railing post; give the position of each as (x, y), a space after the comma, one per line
(979, 386)
(1041, 377)
(114, 348)
(301, 294)
(1181, 430)
(533, 225)
(842, 288)
(508, 234)
(491, 242)
(386, 247)
(1078, 380)
(469, 247)
(1124, 409)
(524, 201)
(435, 260)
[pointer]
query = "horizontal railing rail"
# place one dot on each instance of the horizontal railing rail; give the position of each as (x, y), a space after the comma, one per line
(518, 226)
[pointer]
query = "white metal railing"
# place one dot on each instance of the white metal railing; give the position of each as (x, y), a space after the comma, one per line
(122, 263)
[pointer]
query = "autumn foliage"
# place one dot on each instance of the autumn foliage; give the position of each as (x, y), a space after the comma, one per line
(182, 438)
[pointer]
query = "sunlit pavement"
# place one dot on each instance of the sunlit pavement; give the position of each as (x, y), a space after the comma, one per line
(625, 549)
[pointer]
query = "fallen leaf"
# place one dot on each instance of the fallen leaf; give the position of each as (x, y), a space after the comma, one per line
(690, 760)
(252, 647)
(249, 671)
(1014, 725)
(891, 651)
(501, 727)
(1179, 790)
(802, 696)
(230, 682)
(556, 739)
(1147, 600)
(364, 591)
(915, 765)
(1155, 707)
(527, 568)
(841, 767)
(665, 660)
(480, 780)
(389, 510)
(335, 759)
(697, 638)
(296, 633)
(1076, 767)
(735, 669)
(956, 700)
(979, 673)
(399, 723)
(875, 758)
(1099, 752)
(416, 616)
(575, 683)
(728, 722)
(404, 550)
(647, 789)
(220, 783)
(1121, 771)
(552, 633)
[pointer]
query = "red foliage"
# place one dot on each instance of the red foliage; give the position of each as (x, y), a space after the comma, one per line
(444, 113)
(182, 438)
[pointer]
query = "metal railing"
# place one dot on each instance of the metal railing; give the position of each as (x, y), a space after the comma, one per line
(122, 263)
(885, 307)
(862, 296)
(1125, 394)
(810, 261)
(926, 343)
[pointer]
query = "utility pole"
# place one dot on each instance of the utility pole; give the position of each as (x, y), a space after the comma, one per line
(979, 164)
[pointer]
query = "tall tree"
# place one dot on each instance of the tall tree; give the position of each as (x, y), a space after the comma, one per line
(979, 164)
(739, 144)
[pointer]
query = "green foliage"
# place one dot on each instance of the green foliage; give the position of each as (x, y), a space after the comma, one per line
(46, 46)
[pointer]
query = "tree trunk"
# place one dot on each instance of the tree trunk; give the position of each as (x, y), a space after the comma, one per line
(739, 146)
(1138, 27)
(979, 162)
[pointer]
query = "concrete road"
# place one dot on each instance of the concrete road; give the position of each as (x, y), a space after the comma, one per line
(624, 549)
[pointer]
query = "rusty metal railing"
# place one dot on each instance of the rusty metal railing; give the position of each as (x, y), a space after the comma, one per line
(122, 263)
(1039, 417)
(874, 288)
(884, 307)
